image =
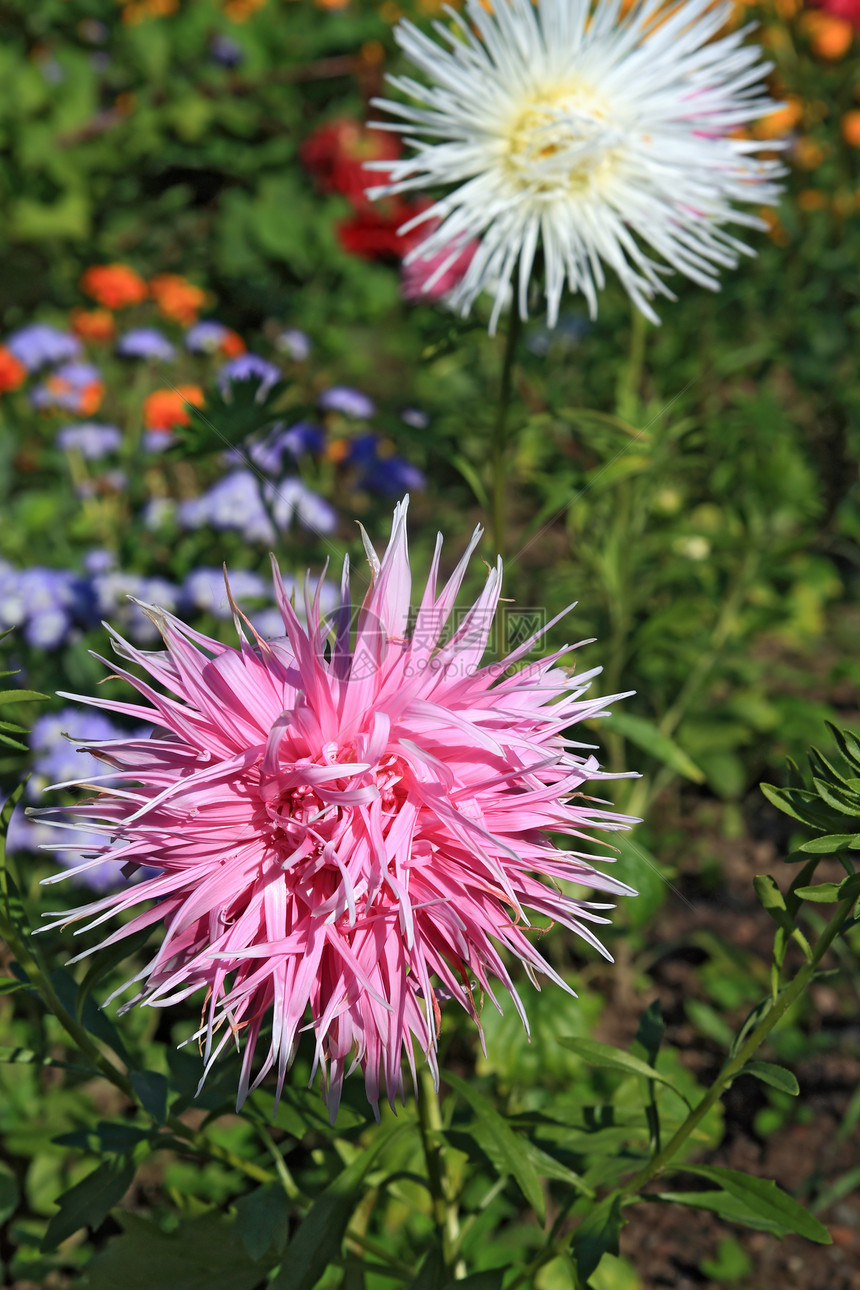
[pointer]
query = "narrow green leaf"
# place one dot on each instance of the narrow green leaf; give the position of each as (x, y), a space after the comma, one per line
(729, 1207)
(21, 696)
(830, 843)
(650, 1031)
(321, 1232)
(847, 743)
(598, 1234)
(647, 736)
(776, 1076)
(507, 1142)
(822, 893)
(8, 985)
(609, 1058)
(89, 1202)
(764, 1198)
(432, 1275)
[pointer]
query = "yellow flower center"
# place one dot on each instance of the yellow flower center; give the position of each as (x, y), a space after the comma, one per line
(560, 143)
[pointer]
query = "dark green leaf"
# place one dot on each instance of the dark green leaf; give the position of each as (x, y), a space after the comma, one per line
(609, 1058)
(750, 1022)
(9, 1194)
(507, 1143)
(598, 1234)
(847, 743)
(90, 1201)
(764, 1198)
(198, 1255)
(651, 1030)
(151, 1091)
(432, 1275)
(320, 1234)
(776, 1076)
(262, 1220)
(491, 1279)
(803, 805)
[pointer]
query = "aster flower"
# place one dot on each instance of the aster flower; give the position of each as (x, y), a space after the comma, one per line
(294, 343)
(211, 337)
(352, 403)
(597, 137)
(249, 367)
(346, 829)
(39, 344)
(90, 439)
(147, 343)
(74, 387)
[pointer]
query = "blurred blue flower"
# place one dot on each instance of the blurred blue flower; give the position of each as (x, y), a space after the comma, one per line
(380, 469)
(147, 343)
(225, 51)
(415, 417)
(268, 454)
(43, 603)
(293, 343)
(40, 343)
(99, 560)
(342, 398)
(157, 440)
(248, 367)
(90, 439)
(205, 589)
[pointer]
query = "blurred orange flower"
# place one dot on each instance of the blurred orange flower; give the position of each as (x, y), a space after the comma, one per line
(93, 324)
(241, 10)
(780, 122)
(811, 199)
(12, 372)
(139, 10)
(232, 345)
(851, 128)
(829, 36)
(177, 298)
(166, 409)
(114, 285)
(808, 154)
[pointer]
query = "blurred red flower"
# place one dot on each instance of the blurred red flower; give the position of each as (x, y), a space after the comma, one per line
(12, 372)
(114, 285)
(177, 298)
(335, 155)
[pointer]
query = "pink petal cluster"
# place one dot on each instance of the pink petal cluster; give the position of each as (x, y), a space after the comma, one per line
(347, 825)
(431, 277)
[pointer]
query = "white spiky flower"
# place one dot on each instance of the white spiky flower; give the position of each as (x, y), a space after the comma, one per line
(597, 137)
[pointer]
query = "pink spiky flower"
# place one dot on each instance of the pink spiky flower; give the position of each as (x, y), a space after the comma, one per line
(347, 825)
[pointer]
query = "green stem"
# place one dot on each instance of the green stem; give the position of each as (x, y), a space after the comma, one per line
(500, 435)
(445, 1211)
(753, 1041)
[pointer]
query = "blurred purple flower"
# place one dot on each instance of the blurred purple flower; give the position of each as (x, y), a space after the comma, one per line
(225, 51)
(248, 367)
(381, 469)
(158, 511)
(66, 387)
(268, 453)
(112, 590)
(235, 503)
(415, 417)
(205, 337)
(42, 602)
(342, 398)
(90, 439)
(147, 343)
(294, 343)
(205, 589)
(40, 343)
(99, 560)
(157, 441)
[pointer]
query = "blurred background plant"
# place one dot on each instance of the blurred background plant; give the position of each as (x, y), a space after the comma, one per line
(184, 225)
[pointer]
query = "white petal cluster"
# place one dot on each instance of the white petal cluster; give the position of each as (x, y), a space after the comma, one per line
(565, 129)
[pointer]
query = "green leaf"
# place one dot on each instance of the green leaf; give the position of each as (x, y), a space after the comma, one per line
(830, 892)
(647, 736)
(776, 1076)
(609, 1058)
(9, 1194)
(151, 1090)
(89, 1202)
(847, 743)
(262, 1221)
(8, 985)
(490, 1279)
(321, 1232)
(198, 1255)
(801, 804)
(773, 901)
(650, 1031)
(432, 1274)
(765, 1199)
(598, 1234)
(727, 1206)
(830, 843)
(507, 1143)
(21, 696)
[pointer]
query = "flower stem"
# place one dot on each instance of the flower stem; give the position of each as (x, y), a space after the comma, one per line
(733, 1066)
(445, 1213)
(498, 518)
